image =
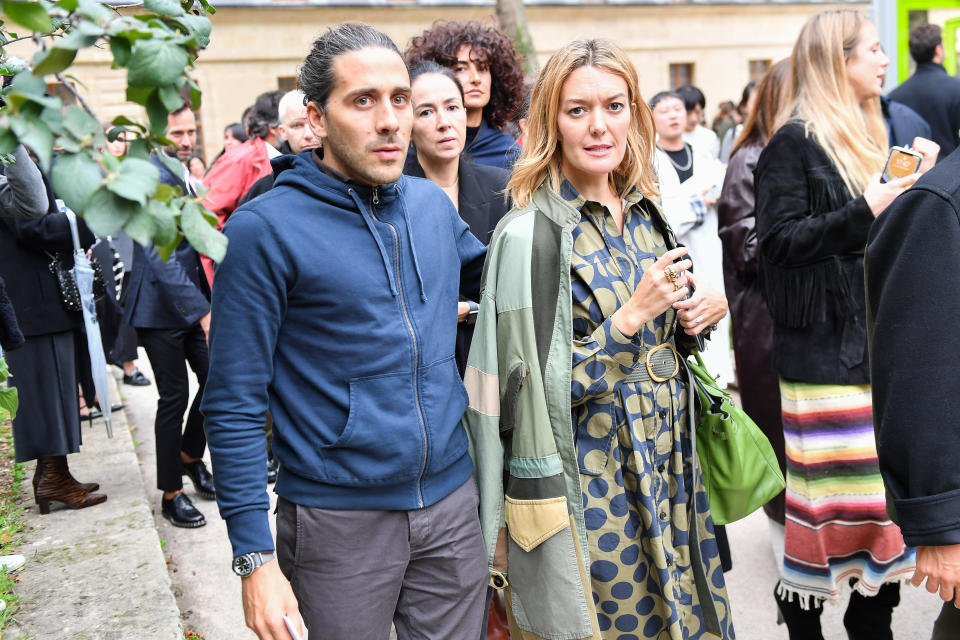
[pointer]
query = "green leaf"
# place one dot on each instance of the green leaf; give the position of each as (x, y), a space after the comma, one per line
(69, 5)
(9, 400)
(195, 94)
(198, 27)
(155, 63)
(34, 133)
(80, 123)
(140, 226)
(165, 220)
(173, 164)
(124, 121)
(136, 181)
(67, 144)
(75, 177)
(8, 141)
(76, 40)
(53, 118)
(31, 15)
(12, 66)
(138, 148)
(93, 10)
(164, 7)
(110, 163)
(164, 250)
(54, 60)
(106, 212)
(157, 113)
(171, 98)
(201, 234)
(140, 95)
(120, 48)
(166, 193)
(28, 85)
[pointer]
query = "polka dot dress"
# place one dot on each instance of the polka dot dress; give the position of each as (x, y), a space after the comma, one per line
(633, 447)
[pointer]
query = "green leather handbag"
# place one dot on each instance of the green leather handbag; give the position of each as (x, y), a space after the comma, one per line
(739, 468)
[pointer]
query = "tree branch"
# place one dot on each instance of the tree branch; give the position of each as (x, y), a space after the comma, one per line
(33, 37)
(73, 91)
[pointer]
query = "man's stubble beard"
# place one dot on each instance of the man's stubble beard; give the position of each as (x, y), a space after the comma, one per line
(355, 160)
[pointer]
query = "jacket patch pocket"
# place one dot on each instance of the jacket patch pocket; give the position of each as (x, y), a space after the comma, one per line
(548, 597)
(376, 445)
(596, 429)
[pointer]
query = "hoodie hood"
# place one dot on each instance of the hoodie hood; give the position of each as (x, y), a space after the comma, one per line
(302, 173)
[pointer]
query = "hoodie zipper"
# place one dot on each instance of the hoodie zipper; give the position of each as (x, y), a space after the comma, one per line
(375, 199)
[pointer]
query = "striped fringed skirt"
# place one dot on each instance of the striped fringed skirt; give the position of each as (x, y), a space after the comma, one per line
(837, 529)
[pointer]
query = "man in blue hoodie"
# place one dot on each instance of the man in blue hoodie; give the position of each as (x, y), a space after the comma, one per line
(335, 308)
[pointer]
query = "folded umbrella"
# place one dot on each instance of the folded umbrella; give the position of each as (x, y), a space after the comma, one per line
(83, 274)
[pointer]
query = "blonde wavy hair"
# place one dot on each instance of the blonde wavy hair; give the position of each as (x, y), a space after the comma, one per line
(819, 93)
(541, 156)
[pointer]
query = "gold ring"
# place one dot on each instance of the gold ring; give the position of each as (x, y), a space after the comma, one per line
(676, 285)
(670, 274)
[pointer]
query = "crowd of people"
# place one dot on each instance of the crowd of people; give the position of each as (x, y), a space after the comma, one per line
(463, 299)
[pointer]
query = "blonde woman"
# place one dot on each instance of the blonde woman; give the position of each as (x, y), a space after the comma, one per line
(817, 193)
(578, 400)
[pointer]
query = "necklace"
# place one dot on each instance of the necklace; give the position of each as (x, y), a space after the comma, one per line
(687, 165)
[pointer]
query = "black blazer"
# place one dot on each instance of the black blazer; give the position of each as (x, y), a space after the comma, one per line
(481, 205)
(25, 267)
(935, 95)
(811, 233)
(165, 295)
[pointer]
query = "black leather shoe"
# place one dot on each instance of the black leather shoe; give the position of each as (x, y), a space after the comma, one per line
(181, 512)
(273, 467)
(136, 379)
(202, 479)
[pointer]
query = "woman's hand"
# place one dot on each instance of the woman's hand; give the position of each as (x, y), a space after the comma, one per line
(704, 308)
(928, 150)
(463, 309)
(879, 195)
(662, 284)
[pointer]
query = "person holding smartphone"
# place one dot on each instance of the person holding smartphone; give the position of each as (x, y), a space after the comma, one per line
(817, 194)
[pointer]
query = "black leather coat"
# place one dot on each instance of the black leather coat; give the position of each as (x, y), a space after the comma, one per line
(750, 319)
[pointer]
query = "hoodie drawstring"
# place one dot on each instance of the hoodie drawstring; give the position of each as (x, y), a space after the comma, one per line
(383, 250)
(413, 247)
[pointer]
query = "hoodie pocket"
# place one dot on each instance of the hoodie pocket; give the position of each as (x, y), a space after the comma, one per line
(382, 440)
(444, 399)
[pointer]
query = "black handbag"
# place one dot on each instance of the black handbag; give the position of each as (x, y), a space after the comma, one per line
(67, 285)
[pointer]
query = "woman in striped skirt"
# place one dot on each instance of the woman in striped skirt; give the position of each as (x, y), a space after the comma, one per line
(817, 193)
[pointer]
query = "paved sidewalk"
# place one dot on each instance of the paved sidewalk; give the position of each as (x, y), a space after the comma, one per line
(206, 589)
(97, 572)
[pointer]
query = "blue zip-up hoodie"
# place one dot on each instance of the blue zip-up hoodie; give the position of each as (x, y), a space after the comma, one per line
(335, 308)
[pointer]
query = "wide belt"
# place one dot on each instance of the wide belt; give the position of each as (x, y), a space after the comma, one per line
(661, 364)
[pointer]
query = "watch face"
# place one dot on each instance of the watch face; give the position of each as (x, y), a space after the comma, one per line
(243, 565)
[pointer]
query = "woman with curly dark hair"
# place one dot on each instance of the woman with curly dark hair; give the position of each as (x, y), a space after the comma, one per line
(491, 72)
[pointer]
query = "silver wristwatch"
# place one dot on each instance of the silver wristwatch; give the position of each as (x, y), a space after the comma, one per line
(246, 564)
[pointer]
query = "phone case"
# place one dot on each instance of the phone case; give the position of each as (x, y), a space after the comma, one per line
(900, 164)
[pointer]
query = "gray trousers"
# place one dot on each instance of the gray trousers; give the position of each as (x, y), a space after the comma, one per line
(355, 572)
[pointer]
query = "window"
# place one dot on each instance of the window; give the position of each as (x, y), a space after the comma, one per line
(287, 83)
(680, 74)
(758, 68)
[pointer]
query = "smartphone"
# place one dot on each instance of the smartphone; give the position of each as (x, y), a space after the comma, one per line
(293, 631)
(901, 163)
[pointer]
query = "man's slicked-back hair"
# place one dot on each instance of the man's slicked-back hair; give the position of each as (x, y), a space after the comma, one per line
(317, 77)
